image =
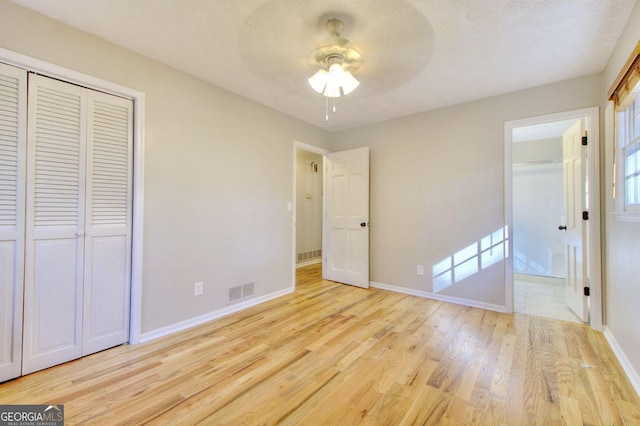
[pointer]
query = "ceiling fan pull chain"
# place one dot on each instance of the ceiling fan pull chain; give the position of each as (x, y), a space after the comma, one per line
(326, 109)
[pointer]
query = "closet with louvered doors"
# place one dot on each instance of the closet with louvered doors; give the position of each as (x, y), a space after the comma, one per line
(77, 223)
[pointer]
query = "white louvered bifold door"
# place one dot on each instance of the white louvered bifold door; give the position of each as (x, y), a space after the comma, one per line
(78, 227)
(55, 223)
(13, 122)
(108, 222)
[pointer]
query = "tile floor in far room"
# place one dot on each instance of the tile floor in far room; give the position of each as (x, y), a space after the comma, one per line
(542, 299)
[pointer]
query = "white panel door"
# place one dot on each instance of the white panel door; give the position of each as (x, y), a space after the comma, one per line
(107, 269)
(346, 244)
(54, 224)
(575, 232)
(13, 123)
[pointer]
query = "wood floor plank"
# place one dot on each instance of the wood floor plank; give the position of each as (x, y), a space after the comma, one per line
(335, 354)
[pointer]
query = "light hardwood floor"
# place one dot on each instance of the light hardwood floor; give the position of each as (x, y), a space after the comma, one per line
(334, 354)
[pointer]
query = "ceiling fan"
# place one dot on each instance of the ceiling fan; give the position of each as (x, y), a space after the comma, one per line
(335, 60)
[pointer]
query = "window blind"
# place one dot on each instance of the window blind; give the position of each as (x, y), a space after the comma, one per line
(625, 88)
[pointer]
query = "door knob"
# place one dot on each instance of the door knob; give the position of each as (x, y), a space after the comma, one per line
(562, 228)
(363, 224)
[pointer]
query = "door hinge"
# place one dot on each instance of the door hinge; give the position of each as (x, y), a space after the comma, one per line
(584, 140)
(587, 292)
(585, 215)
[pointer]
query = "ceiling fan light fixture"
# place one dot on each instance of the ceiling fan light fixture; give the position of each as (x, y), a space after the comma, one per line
(335, 59)
(330, 83)
(332, 89)
(318, 81)
(349, 83)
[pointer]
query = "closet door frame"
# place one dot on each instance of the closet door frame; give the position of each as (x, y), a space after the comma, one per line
(71, 76)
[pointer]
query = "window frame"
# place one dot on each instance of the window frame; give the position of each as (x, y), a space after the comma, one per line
(624, 143)
(625, 94)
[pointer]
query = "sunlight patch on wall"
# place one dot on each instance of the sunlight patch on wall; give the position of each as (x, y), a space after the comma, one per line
(475, 257)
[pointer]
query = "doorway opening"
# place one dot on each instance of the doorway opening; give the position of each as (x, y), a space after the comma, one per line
(552, 209)
(308, 205)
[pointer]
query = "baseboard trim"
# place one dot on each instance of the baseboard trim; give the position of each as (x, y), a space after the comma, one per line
(440, 297)
(539, 279)
(201, 319)
(309, 262)
(632, 374)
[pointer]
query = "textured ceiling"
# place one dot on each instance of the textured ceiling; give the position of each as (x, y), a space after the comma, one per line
(418, 55)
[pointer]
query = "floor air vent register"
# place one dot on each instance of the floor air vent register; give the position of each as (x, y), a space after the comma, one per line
(240, 292)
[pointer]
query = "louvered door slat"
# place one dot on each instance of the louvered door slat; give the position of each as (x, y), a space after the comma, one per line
(115, 152)
(13, 119)
(60, 140)
(111, 166)
(6, 136)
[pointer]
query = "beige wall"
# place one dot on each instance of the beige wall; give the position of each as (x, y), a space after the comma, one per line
(622, 242)
(437, 183)
(538, 150)
(218, 172)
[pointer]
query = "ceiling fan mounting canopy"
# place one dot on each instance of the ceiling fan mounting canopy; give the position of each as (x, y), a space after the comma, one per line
(335, 49)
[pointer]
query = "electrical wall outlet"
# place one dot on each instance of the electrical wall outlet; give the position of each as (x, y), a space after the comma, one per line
(198, 288)
(420, 270)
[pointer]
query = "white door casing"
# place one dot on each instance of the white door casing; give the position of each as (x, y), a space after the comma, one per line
(346, 245)
(594, 266)
(576, 249)
(13, 131)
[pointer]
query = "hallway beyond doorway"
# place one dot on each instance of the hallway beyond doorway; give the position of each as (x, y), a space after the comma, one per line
(534, 296)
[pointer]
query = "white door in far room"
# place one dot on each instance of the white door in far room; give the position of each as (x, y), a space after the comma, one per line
(346, 245)
(576, 251)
